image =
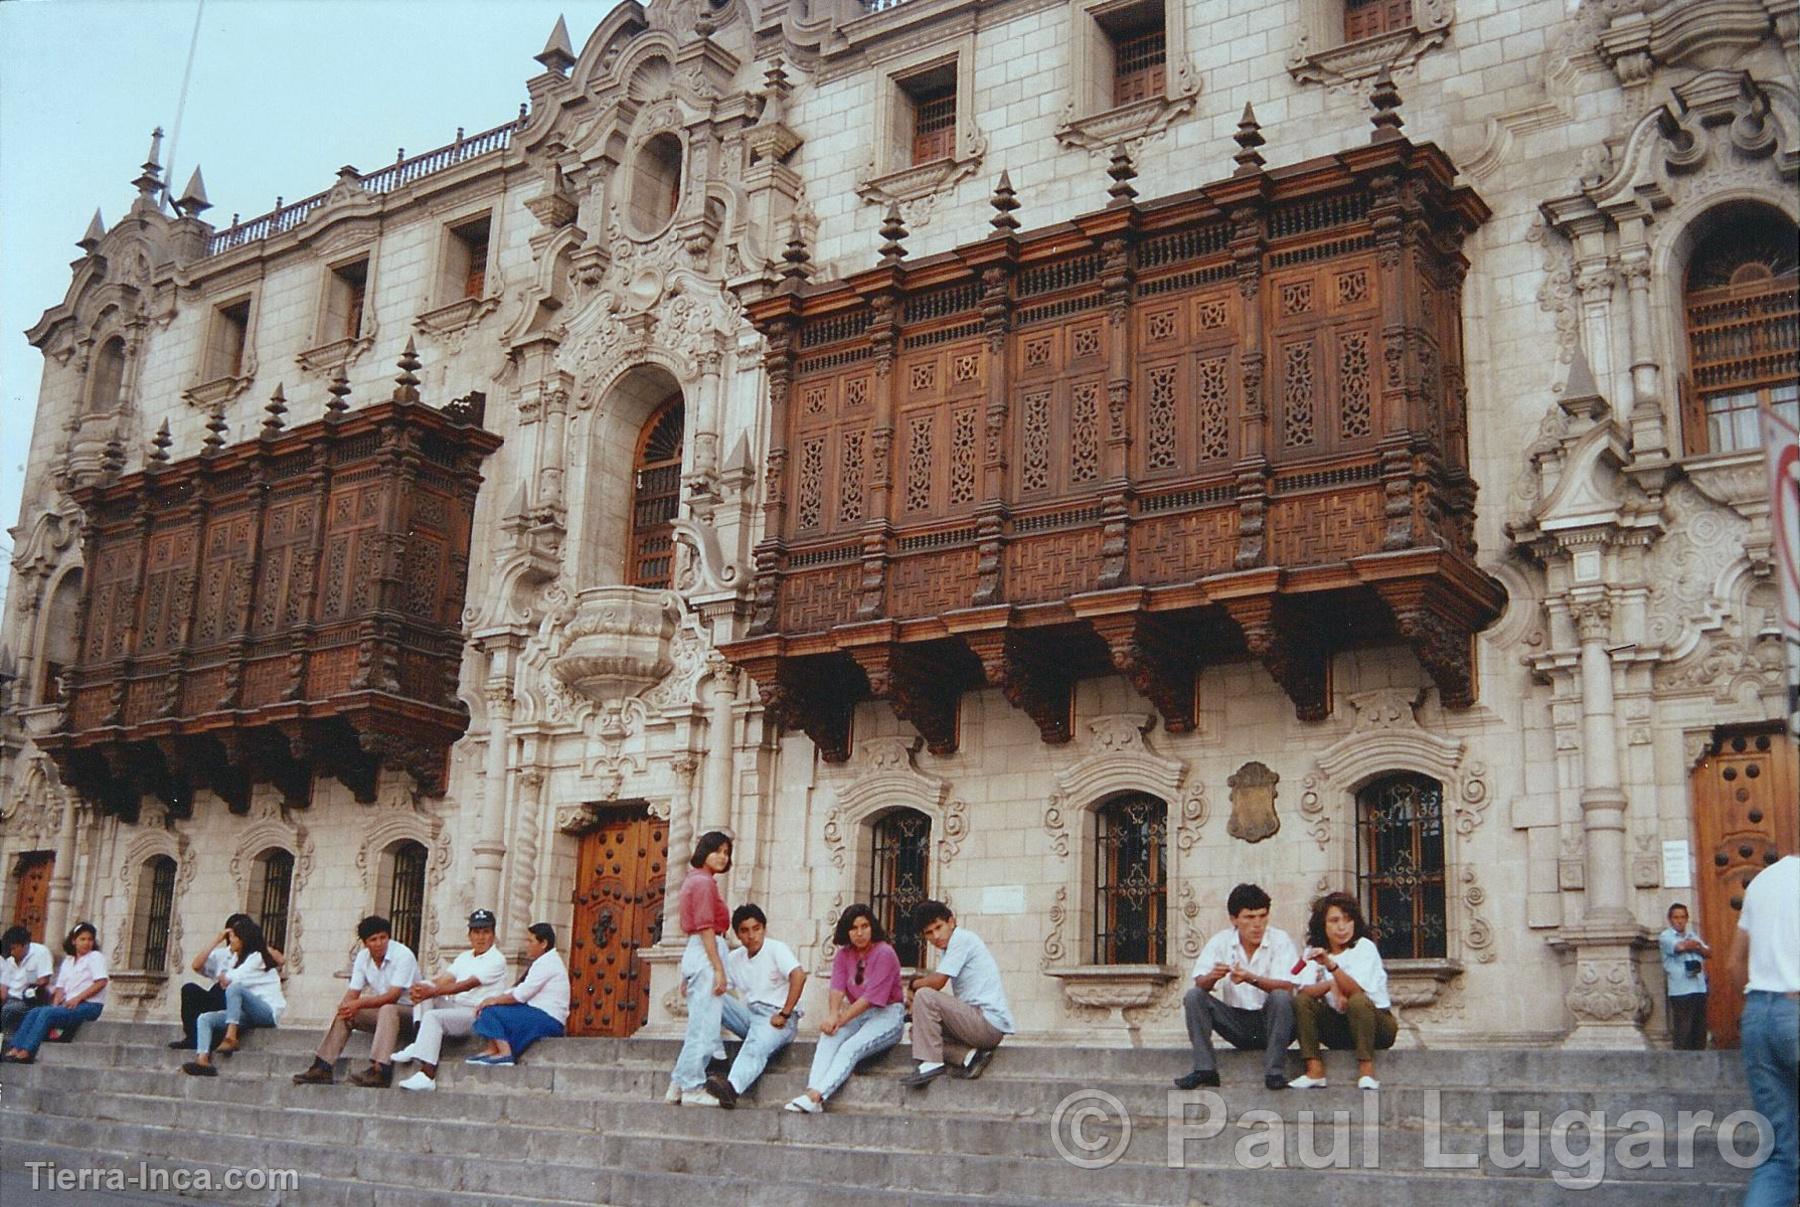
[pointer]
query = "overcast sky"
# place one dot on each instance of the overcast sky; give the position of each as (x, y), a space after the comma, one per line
(280, 95)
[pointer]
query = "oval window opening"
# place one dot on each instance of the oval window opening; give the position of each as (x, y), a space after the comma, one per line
(656, 183)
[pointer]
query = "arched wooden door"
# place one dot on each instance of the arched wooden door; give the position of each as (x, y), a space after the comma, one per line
(619, 894)
(32, 902)
(1746, 795)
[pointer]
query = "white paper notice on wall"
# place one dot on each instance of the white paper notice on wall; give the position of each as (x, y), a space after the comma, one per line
(1676, 873)
(997, 899)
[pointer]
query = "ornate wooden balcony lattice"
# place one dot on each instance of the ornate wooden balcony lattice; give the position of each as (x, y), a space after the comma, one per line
(279, 608)
(1230, 423)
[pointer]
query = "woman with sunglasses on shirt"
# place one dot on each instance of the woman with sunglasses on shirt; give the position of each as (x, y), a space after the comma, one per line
(866, 1009)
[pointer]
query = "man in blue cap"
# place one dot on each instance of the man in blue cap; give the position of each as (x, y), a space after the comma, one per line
(446, 1004)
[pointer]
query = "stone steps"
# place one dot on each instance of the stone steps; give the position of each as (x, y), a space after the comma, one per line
(582, 1121)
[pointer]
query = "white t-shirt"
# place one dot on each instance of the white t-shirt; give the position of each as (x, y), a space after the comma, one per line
(976, 977)
(398, 971)
(255, 977)
(78, 974)
(20, 975)
(1362, 960)
(489, 968)
(1771, 915)
(1275, 958)
(218, 961)
(763, 977)
(546, 986)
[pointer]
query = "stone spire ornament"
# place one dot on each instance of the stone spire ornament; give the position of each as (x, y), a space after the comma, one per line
(339, 389)
(216, 426)
(149, 182)
(1248, 138)
(796, 267)
(96, 231)
(1123, 172)
(558, 54)
(277, 407)
(161, 443)
(192, 202)
(1004, 201)
(1386, 99)
(893, 237)
(406, 386)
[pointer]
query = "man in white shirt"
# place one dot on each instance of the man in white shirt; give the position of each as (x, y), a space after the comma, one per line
(446, 1005)
(378, 999)
(977, 1015)
(1766, 953)
(768, 979)
(25, 972)
(1243, 990)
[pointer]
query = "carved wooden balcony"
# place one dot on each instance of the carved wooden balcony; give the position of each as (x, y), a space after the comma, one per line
(1230, 423)
(280, 608)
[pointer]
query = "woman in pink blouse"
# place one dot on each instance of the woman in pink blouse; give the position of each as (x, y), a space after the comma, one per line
(866, 1009)
(706, 922)
(78, 996)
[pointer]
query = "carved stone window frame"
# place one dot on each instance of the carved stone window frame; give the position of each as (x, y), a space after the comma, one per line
(890, 177)
(208, 393)
(1320, 55)
(330, 354)
(1095, 124)
(149, 843)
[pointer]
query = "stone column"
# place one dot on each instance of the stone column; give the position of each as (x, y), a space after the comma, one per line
(681, 845)
(490, 819)
(1649, 440)
(721, 750)
(62, 876)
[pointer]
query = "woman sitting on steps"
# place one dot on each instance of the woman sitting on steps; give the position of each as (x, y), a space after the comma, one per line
(253, 996)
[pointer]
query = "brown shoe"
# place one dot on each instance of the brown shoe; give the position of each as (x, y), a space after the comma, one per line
(319, 1074)
(375, 1077)
(226, 1047)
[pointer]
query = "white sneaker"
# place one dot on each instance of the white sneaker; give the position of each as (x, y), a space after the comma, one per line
(404, 1056)
(673, 1097)
(804, 1105)
(418, 1081)
(698, 1098)
(1367, 1083)
(1303, 1082)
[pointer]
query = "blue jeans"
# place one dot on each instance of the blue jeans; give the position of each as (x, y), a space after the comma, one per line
(870, 1033)
(706, 1012)
(517, 1025)
(1770, 1034)
(241, 1010)
(761, 1041)
(37, 1024)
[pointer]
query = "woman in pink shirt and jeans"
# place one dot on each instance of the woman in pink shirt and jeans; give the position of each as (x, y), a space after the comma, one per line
(705, 921)
(867, 1007)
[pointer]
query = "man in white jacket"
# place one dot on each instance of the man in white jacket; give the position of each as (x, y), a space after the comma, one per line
(446, 1004)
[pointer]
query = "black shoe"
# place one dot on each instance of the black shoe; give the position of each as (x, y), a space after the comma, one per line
(1196, 1079)
(972, 1068)
(1275, 1081)
(915, 1080)
(721, 1088)
(194, 1068)
(178, 1044)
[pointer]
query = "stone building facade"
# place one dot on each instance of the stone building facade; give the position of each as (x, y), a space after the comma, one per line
(599, 271)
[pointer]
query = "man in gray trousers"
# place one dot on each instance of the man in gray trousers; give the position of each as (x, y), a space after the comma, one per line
(1244, 991)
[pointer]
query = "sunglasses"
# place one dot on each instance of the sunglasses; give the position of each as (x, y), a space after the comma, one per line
(859, 972)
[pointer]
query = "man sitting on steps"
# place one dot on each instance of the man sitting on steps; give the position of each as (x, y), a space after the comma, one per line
(977, 1015)
(378, 1000)
(1250, 965)
(446, 1005)
(768, 979)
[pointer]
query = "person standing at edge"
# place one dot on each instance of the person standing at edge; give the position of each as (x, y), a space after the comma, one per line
(705, 921)
(977, 1016)
(1254, 1006)
(1766, 954)
(378, 998)
(1685, 976)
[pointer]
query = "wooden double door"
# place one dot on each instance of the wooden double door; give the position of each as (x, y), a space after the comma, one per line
(619, 890)
(1746, 799)
(31, 904)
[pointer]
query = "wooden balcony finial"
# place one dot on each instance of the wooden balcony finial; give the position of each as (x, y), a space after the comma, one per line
(339, 389)
(1004, 201)
(1123, 172)
(1386, 99)
(277, 407)
(893, 237)
(161, 442)
(112, 458)
(406, 386)
(1248, 138)
(796, 259)
(215, 433)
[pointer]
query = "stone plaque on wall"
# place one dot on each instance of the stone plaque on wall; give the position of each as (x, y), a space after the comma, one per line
(1253, 803)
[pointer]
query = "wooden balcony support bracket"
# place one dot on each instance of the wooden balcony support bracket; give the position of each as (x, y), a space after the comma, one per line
(1286, 642)
(1150, 649)
(1027, 668)
(815, 694)
(923, 682)
(1439, 603)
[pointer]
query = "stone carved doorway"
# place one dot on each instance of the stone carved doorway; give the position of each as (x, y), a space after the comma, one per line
(619, 890)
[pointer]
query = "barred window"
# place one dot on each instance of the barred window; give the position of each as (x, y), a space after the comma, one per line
(900, 878)
(271, 885)
(1742, 304)
(403, 890)
(150, 920)
(1400, 865)
(1131, 881)
(1138, 66)
(934, 126)
(1366, 18)
(655, 496)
